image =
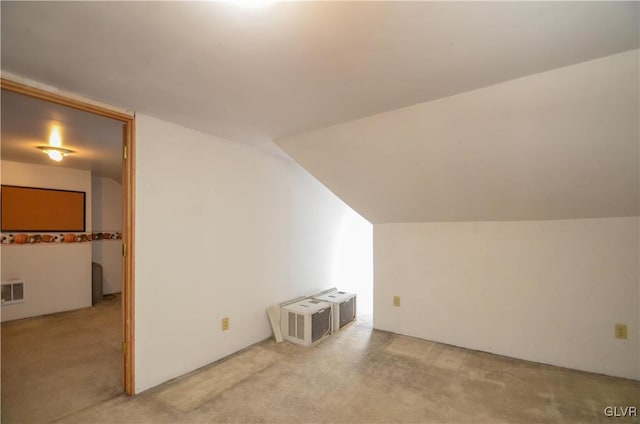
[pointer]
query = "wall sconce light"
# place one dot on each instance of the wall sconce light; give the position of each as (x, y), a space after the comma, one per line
(55, 153)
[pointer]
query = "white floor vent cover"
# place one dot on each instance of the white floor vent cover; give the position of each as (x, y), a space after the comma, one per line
(12, 292)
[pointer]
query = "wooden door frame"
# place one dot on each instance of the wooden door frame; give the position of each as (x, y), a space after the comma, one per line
(128, 185)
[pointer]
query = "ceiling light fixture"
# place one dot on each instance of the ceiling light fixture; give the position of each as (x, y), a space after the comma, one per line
(55, 153)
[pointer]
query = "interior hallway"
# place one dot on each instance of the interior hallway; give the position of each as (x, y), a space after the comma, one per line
(359, 375)
(56, 364)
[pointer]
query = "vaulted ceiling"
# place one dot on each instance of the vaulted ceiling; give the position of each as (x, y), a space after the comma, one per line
(409, 111)
(562, 144)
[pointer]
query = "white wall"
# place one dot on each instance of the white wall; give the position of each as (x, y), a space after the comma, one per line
(345, 258)
(546, 291)
(57, 276)
(221, 230)
(353, 263)
(107, 217)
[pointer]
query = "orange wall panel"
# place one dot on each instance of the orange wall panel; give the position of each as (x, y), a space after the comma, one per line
(36, 209)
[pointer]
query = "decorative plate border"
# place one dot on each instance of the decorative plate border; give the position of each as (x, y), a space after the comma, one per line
(109, 235)
(53, 238)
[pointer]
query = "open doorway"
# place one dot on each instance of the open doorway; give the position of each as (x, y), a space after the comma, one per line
(107, 237)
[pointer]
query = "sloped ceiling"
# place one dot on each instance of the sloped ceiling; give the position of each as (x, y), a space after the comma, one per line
(555, 145)
(255, 75)
(409, 111)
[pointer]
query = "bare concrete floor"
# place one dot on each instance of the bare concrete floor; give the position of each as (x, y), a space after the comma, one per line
(367, 376)
(56, 364)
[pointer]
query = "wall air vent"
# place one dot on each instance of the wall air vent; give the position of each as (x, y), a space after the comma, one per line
(12, 292)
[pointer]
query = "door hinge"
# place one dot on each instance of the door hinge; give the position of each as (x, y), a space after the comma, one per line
(124, 348)
(124, 152)
(124, 249)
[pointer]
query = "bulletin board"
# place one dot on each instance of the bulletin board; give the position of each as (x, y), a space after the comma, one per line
(31, 209)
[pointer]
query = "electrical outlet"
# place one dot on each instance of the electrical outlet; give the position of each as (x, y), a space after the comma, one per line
(396, 301)
(621, 331)
(225, 323)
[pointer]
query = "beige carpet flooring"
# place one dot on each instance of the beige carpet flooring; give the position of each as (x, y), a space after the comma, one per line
(360, 375)
(57, 364)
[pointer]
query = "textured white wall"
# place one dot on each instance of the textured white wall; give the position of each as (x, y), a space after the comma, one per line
(222, 230)
(107, 216)
(546, 291)
(57, 276)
